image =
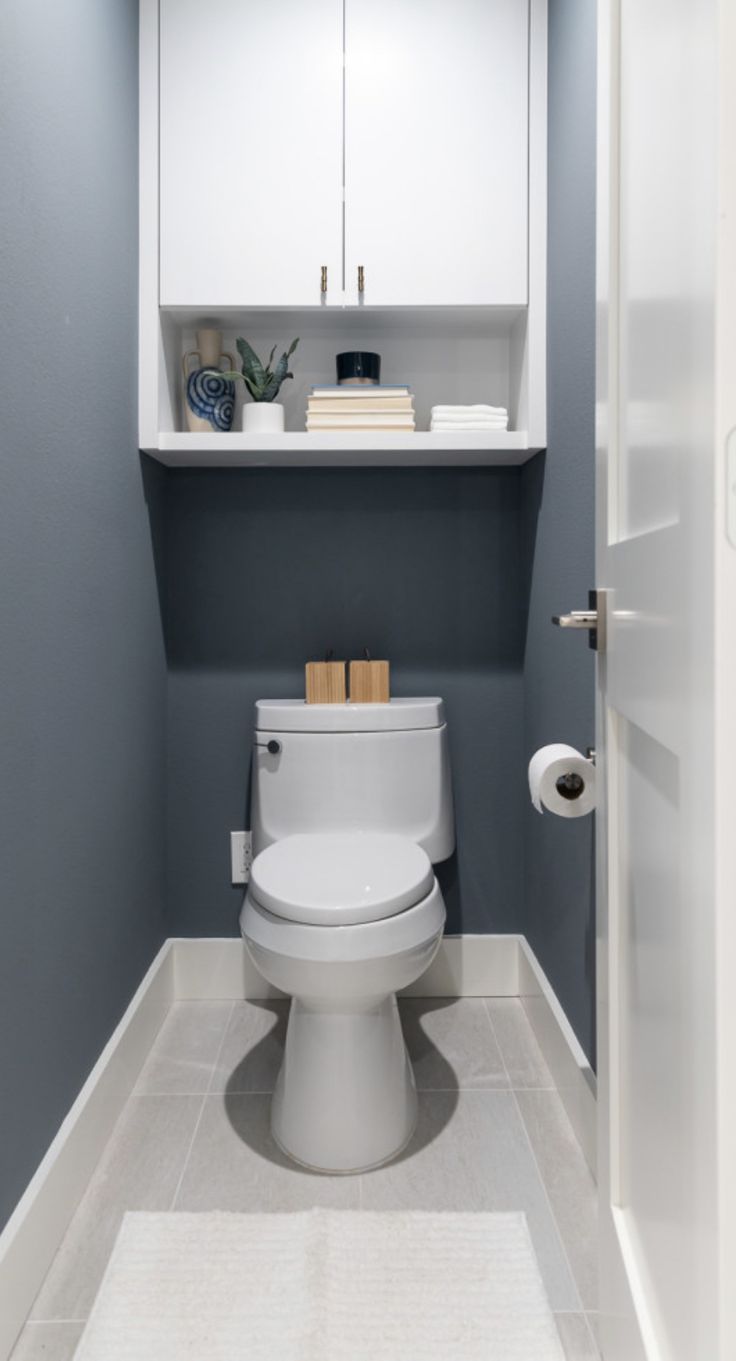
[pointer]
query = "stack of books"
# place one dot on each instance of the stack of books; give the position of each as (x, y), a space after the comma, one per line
(360, 406)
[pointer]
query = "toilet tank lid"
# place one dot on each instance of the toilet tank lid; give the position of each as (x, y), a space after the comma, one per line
(399, 715)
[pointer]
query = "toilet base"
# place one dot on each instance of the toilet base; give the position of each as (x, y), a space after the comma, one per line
(345, 1098)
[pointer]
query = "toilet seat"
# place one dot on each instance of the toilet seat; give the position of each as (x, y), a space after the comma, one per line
(341, 878)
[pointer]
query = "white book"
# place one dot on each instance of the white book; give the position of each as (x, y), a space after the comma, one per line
(370, 391)
(345, 429)
(359, 404)
(326, 419)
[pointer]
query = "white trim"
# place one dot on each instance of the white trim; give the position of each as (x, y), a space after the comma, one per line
(150, 357)
(472, 966)
(465, 966)
(572, 1074)
(217, 969)
(34, 1231)
(536, 337)
(340, 448)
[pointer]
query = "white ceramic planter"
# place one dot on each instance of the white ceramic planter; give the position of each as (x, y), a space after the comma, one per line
(263, 418)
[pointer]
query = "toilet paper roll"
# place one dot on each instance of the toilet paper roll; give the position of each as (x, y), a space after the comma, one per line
(563, 780)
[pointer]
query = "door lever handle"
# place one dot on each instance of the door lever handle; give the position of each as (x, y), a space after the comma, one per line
(593, 619)
(577, 619)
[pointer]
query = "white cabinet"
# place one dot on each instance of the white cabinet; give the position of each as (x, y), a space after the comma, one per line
(410, 161)
(436, 151)
(250, 152)
(403, 138)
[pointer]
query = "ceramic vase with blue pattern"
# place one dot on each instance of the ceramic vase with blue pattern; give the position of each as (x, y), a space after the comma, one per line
(209, 399)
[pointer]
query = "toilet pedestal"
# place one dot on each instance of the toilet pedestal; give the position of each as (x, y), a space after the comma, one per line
(345, 1099)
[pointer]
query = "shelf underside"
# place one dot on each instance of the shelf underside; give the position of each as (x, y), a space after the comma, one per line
(342, 449)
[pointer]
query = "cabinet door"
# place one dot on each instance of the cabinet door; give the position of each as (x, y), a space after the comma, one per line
(251, 152)
(437, 151)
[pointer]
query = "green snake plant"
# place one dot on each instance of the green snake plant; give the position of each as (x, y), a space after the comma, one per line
(261, 380)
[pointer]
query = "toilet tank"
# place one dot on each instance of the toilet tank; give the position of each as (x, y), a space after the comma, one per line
(353, 767)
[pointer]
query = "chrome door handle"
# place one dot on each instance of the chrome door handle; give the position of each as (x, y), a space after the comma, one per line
(577, 619)
(593, 619)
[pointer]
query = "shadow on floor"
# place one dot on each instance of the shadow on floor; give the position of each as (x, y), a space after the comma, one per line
(245, 1078)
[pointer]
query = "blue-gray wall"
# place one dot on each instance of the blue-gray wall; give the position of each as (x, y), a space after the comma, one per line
(82, 661)
(559, 690)
(269, 568)
(451, 574)
(454, 575)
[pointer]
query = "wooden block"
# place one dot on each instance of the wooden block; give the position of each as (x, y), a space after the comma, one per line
(369, 683)
(325, 682)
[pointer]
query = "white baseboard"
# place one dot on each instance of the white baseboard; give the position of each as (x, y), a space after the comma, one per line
(465, 966)
(34, 1231)
(207, 970)
(572, 1074)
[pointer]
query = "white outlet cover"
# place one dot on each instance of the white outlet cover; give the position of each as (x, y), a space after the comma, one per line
(241, 857)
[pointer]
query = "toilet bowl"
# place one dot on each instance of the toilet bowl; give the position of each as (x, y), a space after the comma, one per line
(340, 922)
(351, 808)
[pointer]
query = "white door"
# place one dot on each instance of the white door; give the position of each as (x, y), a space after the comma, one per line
(666, 739)
(251, 153)
(436, 151)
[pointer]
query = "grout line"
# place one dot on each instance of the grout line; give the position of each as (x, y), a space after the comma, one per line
(198, 1121)
(543, 1183)
(220, 1047)
(233, 1091)
(44, 1322)
(230, 1092)
(519, 1087)
(459, 1087)
(590, 1313)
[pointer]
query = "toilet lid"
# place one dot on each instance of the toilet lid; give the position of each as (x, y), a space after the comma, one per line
(337, 879)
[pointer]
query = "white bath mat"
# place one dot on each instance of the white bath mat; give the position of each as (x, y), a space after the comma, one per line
(323, 1285)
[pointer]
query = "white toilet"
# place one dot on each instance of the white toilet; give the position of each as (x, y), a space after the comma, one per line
(351, 805)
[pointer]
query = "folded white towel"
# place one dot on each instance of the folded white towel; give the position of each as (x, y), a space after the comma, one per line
(452, 428)
(468, 425)
(480, 409)
(461, 421)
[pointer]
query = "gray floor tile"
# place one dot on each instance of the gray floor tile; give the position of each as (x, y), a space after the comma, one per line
(569, 1184)
(47, 1342)
(521, 1053)
(576, 1338)
(140, 1170)
(183, 1058)
(253, 1048)
(235, 1165)
(470, 1152)
(451, 1043)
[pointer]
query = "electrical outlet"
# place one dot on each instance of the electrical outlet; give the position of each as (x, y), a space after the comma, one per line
(241, 856)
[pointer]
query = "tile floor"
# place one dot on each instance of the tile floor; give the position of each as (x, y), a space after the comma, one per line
(492, 1135)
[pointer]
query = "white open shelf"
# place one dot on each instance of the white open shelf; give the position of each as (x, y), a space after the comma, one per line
(448, 355)
(343, 449)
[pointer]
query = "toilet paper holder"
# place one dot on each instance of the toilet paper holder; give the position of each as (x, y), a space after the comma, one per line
(571, 785)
